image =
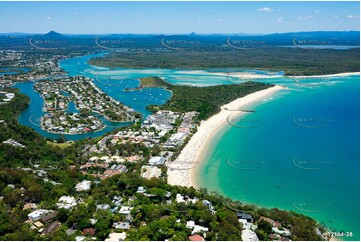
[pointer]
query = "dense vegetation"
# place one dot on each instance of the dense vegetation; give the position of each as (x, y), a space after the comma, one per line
(293, 61)
(205, 100)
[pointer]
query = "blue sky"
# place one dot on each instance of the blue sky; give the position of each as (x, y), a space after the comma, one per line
(178, 17)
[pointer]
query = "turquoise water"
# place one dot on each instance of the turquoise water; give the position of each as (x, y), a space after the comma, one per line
(299, 151)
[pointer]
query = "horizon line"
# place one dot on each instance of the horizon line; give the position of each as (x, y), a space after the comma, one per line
(194, 33)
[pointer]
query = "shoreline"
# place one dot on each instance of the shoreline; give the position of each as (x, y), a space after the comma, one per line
(249, 75)
(328, 75)
(190, 157)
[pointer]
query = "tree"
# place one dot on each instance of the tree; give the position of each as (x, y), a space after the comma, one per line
(265, 226)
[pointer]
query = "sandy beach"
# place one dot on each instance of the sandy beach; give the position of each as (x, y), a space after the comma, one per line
(330, 75)
(180, 172)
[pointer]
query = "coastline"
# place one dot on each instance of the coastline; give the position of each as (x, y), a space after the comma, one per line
(248, 75)
(328, 75)
(182, 170)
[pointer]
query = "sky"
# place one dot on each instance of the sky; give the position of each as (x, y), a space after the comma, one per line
(178, 17)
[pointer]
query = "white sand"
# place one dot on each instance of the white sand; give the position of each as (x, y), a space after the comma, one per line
(246, 75)
(331, 75)
(188, 159)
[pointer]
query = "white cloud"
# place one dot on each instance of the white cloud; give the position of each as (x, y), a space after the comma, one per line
(336, 16)
(48, 18)
(280, 20)
(351, 16)
(306, 18)
(317, 11)
(219, 20)
(199, 18)
(265, 9)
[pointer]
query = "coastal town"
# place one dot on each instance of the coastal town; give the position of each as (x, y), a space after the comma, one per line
(152, 148)
(158, 140)
(161, 135)
(21, 66)
(72, 105)
(139, 136)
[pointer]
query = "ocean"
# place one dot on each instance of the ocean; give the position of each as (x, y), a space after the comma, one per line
(298, 151)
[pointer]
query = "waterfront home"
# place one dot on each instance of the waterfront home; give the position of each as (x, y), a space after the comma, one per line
(243, 215)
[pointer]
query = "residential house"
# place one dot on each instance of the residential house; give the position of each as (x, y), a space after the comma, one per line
(243, 215)
(50, 229)
(49, 216)
(196, 237)
(116, 237)
(89, 231)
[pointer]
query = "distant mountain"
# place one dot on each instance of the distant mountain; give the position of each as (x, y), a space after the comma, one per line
(207, 41)
(54, 35)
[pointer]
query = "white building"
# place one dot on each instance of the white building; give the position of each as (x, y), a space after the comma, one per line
(103, 206)
(83, 186)
(196, 228)
(284, 232)
(116, 237)
(125, 210)
(156, 161)
(141, 190)
(179, 198)
(66, 202)
(37, 214)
